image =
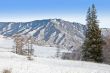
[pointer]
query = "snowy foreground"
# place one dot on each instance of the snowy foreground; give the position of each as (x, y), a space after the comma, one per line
(20, 64)
(44, 62)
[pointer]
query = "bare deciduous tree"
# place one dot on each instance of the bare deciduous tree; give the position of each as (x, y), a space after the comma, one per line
(19, 44)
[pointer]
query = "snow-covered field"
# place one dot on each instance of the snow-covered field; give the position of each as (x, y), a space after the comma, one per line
(20, 64)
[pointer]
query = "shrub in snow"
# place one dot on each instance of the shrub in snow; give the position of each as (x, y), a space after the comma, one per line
(6, 71)
(29, 58)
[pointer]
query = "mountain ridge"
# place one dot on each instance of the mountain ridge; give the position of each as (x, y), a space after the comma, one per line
(53, 32)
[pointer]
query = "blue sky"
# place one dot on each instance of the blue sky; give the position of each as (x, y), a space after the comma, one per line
(70, 10)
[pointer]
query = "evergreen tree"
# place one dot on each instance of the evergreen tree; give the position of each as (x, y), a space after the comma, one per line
(92, 46)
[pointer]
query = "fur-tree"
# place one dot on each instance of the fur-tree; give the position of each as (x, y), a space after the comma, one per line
(92, 46)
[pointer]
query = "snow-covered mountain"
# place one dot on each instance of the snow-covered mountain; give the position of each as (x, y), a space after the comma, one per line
(52, 32)
(56, 33)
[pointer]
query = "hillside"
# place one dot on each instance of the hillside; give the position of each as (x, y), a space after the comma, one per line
(20, 64)
(48, 32)
(69, 35)
(44, 61)
(55, 33)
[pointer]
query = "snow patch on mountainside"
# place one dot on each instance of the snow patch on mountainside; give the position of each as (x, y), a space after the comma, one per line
(6, 42)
